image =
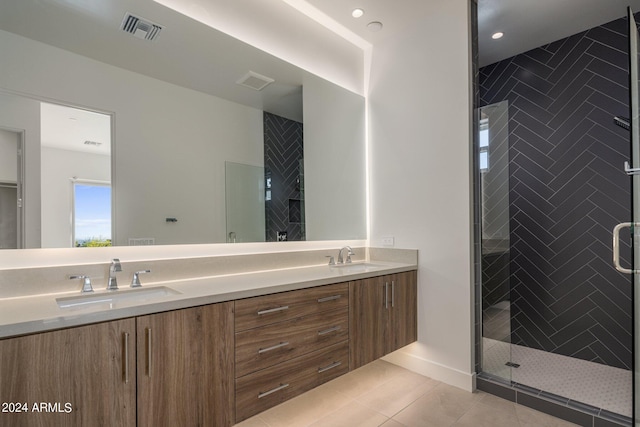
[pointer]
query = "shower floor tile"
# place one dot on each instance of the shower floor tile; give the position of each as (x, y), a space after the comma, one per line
(582, 381)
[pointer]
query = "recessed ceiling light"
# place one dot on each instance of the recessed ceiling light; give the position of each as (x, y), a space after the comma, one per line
(374, 26)
(357, 13)
(497, 35)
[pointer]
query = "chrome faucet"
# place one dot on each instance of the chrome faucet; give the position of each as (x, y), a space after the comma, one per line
(113, 268)
(349, 253)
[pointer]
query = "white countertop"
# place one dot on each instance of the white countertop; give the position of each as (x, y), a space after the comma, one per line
(38, 313)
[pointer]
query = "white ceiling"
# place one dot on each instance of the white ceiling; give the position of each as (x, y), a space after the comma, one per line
(67, 128)
(527, 24)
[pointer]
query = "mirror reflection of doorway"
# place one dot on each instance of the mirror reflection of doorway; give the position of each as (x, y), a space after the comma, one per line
(10, 189)
(8, 216)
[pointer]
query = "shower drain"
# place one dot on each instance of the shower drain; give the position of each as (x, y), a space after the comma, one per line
(512, 365)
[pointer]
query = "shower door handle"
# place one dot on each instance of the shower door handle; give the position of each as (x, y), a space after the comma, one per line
(616, 246)
(629, 170)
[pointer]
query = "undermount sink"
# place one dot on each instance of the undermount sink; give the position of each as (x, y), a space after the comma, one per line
(360, 267)
(113, 298)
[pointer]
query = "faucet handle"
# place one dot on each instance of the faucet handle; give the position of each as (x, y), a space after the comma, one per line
(332, 260)
(86, 285)
(349, 253)
(135, 282)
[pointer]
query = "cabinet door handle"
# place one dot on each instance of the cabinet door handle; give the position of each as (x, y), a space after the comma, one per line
(267, 393)
(331, 298)
(125, 338)
(149, 352)
(326, 368)
(328, 331)
(273, 310)
(386, 295)
(273, 347)
(393, 293)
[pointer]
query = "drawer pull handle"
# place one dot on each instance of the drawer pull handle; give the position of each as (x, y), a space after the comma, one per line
(126, 357)
(393, 293)
(267, 393)
(386, 295)
(273, 347)
(326, 368)
(328, 331)
(273, 310)
(331, 298)
(149, 352)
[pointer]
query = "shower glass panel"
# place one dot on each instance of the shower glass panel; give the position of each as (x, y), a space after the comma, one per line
(244, 197)
(493, 161)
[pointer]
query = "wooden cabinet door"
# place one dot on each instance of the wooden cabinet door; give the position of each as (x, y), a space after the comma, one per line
(185, 367)
(70, 377)
(403, 323)
(368, 320)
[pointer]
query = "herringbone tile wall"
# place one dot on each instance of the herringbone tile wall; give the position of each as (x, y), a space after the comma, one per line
(283, 150)
(567, 190)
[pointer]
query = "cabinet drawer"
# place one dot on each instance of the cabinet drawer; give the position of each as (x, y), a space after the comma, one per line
(268, 309)
(272, 386)
(260, 348)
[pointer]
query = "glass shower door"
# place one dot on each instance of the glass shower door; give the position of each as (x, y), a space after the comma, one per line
(633, 168)
(493, 161)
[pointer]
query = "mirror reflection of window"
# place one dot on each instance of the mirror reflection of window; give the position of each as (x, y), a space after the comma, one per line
(484, 145)
(91, 214)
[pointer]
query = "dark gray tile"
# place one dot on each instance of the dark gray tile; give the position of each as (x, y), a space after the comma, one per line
(499, 390)
(584, 407)
(612, 72)
(607, 37)
(610, 419)
(526, 389)
(554, 398)
(552, 408)
(608, 54)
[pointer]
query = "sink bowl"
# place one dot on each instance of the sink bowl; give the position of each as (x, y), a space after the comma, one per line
(360, 267)
(112, 299)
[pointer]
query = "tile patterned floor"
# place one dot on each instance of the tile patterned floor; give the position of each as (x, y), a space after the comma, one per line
(383, 394)
(587, 382)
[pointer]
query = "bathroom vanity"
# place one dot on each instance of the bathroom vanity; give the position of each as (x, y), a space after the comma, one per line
(205, 356)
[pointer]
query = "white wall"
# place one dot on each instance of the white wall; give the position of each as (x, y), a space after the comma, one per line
(58, 167)
(171, 142)
(420, 126)
(334, 162)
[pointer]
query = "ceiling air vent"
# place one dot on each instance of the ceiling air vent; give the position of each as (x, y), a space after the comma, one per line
(254, 81)
(141, 28)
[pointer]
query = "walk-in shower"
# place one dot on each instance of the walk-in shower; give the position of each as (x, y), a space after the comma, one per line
(556, 316)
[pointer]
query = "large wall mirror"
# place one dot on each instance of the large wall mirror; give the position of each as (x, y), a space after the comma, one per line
(191, 148)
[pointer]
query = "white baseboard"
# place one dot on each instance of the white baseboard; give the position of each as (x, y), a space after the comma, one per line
(464, 380)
